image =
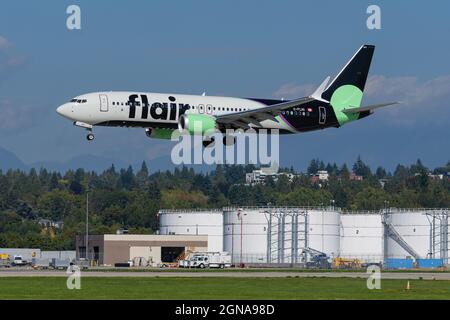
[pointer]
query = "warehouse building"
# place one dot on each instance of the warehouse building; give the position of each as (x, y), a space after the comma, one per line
(143, 250)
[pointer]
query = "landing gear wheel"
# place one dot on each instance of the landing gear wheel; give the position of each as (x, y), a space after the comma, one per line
(90, 137)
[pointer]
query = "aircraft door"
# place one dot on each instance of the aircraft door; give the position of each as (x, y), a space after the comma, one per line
(322, 115)
(209, 109)
(103, 102)
(201, 108)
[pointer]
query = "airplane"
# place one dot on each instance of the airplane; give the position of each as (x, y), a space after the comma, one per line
(331, 105)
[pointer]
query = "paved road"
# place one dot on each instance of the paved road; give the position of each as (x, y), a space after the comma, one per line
(236, 274)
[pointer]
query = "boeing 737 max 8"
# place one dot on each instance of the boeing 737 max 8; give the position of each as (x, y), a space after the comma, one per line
(160, 114)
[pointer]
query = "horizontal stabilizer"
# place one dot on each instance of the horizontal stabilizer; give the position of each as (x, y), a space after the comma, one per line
(368, 108)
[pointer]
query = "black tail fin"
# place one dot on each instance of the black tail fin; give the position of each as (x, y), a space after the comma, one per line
(354, 73)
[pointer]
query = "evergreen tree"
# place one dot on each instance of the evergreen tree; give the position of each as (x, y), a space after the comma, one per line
(361, 169)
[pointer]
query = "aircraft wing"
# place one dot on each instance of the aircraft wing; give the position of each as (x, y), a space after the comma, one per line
(244, 118)
(369, 108)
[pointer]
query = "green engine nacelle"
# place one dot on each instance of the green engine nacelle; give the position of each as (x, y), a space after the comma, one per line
(197, 123)
(159, 133)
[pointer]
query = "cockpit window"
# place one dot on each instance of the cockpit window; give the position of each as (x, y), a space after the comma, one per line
(79, 100)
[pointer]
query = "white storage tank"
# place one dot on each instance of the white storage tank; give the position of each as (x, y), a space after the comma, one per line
(324, 230)
(245, 228)
(192, 222)
(362, 236)
(414, 227)
(248, 228)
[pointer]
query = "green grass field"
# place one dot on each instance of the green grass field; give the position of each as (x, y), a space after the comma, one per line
(240, 270)
(218, 288)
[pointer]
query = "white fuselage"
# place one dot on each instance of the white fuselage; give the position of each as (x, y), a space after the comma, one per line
(149, 110)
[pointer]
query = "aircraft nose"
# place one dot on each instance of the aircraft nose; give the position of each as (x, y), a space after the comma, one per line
(63, 110)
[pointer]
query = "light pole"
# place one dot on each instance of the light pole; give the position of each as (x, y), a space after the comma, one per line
(323, 231)
(87, 224)
(239, 214)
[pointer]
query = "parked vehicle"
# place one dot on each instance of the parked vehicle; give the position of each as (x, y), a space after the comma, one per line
(4, 261)
(82, 264)
(60, 263)
(41, 263)
(19, 261)
(207, 260)
(344, 263)
(317, 259)
(365, 265)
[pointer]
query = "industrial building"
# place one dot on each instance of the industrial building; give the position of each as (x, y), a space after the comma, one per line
(144, 250)
(280, 236)
(287, 234)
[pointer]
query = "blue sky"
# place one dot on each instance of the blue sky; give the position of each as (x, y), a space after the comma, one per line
(267, 49)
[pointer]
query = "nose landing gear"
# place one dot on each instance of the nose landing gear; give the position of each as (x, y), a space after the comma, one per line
(90, 136)
(88, 127)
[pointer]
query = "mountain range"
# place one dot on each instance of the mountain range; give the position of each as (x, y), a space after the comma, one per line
(8, 160)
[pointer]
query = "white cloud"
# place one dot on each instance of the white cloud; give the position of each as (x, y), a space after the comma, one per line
(292, 90)
(421, 101)
(409, 90)
(18, 115)
(10, 60)
(4, 43)
(425, 101)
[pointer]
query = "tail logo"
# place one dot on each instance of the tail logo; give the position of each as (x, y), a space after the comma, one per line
(344, 97)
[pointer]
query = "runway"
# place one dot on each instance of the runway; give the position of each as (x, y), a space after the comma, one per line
(229, 274)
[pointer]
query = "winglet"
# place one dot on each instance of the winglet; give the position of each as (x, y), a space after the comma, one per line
(318, 93)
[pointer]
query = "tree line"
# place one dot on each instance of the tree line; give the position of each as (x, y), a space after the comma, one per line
(128, 199)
